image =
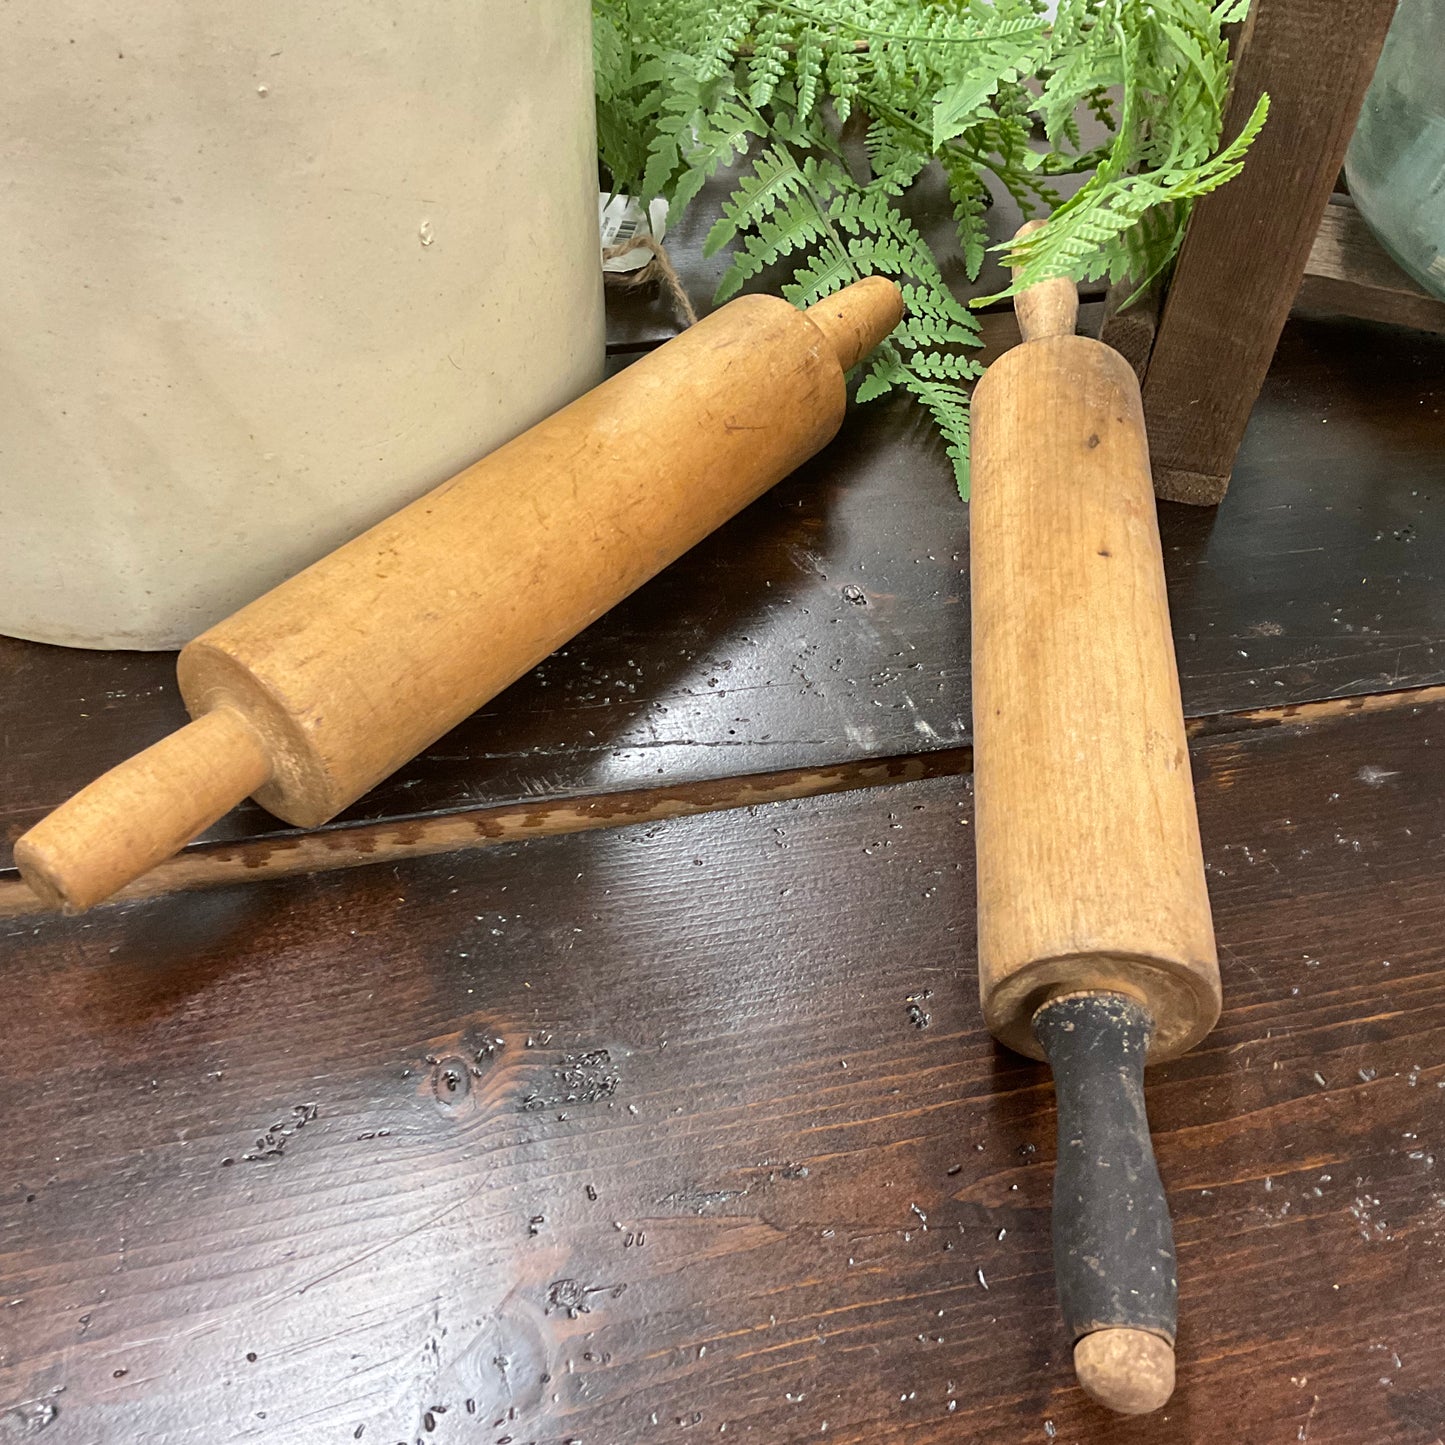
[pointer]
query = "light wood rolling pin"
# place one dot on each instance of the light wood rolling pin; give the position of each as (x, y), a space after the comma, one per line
(1094, 935)
(315, 692)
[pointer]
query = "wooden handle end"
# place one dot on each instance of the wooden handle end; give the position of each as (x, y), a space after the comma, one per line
(141, 812)
(1049, 309)
(855, 319)
(1130, 1372)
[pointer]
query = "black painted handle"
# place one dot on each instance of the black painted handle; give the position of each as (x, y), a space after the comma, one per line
(1113, 1242)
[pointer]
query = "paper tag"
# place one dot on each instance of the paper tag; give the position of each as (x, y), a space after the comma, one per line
(620, 219)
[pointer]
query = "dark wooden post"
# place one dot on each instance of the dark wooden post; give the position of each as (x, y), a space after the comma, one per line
(1246, 247)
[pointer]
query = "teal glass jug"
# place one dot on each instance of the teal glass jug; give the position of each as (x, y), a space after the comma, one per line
(1396, 161)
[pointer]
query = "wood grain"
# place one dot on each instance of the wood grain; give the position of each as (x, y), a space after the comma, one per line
(1131, 321)
(828, 623)
(1089, 872)
(1349, 273)
(270, 1176)
(1246, 245)
(357, 845)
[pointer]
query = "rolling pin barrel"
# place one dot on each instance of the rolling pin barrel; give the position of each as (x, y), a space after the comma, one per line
(1094, 934)
(1089, 866)
(338, 676)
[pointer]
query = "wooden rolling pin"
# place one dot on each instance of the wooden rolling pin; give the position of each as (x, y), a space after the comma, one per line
(1094, 936)
(315, 692)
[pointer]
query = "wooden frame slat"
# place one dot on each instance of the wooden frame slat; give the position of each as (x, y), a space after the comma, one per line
(1248, 243)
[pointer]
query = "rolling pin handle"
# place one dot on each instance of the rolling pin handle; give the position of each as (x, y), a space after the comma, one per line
(1049, 309)
(855, 319)
(1113, 1242)
(142, 811)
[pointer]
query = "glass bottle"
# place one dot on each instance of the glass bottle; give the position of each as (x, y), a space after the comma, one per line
(1396, 161)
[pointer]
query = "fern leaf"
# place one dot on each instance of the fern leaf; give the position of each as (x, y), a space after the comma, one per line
(826, 273)
(885, 373)
(942, 367)
(938, 302)
(842, 73)
(896, 155)
(970, 201)
(811, 53)
(997, 62)
(917, 331)
(790, 229)
(1084, 237)
(948, 405)
(770, 58)
(775, 176)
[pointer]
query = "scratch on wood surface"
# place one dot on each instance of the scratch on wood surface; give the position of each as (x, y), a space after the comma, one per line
(378, 1248)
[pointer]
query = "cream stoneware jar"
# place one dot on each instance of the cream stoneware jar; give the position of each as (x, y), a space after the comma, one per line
(271, 271)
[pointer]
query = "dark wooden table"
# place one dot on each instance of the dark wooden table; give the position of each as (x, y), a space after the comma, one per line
(614, 1073)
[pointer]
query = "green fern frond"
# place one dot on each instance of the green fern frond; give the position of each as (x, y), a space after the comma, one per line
(938, 366)
(896, 155)
(769, 63)
(918, 330)
(970, 204)
(775, 176)
(989, 67)
(949, 409)
(810, 56)
(824, 274)
(787, 229)
(1087, 236)
(687, 87)
(938, 303)
(884, 374)
(843, 76)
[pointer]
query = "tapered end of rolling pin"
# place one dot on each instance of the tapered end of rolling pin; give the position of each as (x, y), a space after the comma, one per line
(1049, 309)
(142, 812)
(855, 319)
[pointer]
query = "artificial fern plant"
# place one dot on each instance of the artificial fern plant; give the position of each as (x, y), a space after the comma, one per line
(977, 87)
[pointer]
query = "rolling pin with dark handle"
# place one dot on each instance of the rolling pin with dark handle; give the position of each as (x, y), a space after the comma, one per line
(1096, 948)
